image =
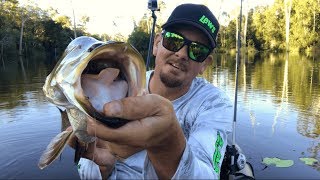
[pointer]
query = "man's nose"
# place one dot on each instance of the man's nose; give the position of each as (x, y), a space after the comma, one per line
(183, 53)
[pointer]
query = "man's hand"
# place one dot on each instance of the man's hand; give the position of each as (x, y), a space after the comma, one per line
(153, 126)
(100, 153)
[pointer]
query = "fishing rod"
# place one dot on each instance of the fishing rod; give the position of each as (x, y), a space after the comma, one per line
(153, 6)
(233, 167)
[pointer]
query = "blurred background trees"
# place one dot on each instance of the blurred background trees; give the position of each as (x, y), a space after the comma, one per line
(26, 29)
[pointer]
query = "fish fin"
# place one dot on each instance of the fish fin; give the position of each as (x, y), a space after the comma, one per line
(65, 123)
(54, 149)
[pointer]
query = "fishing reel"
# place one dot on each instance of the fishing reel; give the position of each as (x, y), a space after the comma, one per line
(240, 159)
(242, 168)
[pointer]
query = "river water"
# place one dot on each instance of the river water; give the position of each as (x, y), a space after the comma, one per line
(278, 114)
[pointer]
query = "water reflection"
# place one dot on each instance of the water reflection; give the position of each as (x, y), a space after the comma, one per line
(279, 93)
(291, 80)
(284, 94)
(21, 81)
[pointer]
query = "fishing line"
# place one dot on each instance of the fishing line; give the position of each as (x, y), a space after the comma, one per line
(95, 142)
(94, 146)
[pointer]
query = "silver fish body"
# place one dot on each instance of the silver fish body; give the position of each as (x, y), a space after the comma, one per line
(89, 74)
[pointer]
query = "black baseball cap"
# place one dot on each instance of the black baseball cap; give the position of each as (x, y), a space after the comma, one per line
(196, 15)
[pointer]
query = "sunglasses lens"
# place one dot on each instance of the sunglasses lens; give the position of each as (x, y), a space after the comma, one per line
(172, 41)
(198, 52)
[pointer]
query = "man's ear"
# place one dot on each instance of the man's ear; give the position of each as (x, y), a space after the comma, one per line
(156, 43)
(206, 63)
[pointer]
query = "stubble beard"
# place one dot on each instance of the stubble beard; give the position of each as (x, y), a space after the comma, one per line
(169, 81)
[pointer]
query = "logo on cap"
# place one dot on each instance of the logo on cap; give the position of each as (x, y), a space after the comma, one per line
(205, 20)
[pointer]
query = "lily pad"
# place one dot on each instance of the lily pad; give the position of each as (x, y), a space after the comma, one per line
(277, 162)
(309, 161)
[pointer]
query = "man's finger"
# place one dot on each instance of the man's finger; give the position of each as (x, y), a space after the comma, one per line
(138, 107)
(147, 112)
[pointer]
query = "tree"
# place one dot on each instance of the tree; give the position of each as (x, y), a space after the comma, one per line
(252, 40)
(24, 26)
(287, 11)
(245, 27)
(83, 23)
(140, 40)
(269, 25)
(105, 37)
(65, 21)
(305, 25)
(8, 31)
(30, 13)
(230, 35)
(224, 20)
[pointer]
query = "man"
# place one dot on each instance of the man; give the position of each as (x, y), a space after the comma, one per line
(178, 130)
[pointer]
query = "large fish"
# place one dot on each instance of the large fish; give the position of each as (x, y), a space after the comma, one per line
(89, 74)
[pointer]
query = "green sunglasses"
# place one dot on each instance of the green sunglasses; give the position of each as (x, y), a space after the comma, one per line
(173, 41)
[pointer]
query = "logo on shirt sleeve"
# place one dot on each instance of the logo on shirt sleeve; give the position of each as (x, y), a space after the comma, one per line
(217, 153)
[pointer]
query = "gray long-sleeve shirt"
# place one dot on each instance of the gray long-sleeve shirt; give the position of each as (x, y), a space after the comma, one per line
(205, 115)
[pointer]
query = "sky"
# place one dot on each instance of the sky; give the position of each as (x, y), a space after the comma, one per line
(116, 16)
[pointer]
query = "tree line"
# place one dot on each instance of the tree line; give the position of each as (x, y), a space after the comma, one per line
(29, 29)
(26, 29)
(264, 28)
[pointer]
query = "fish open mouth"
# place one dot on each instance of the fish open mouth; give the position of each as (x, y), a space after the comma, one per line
(90, 74)
(104, 80)
(95, 66)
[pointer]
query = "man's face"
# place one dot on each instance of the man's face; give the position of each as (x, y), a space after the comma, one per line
(176, 69)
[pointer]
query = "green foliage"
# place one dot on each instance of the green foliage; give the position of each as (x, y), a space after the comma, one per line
(304, 30)
(65, 21)
(266, 27)
(277, 162)
(46, 30)
(230, 35)
(83, 23)
(55, 36)
(140, 40)
(270, 27)
(42, 30)
(309, 161)
(252, 39)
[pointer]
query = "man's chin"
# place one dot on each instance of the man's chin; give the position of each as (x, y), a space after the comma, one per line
(170, 80)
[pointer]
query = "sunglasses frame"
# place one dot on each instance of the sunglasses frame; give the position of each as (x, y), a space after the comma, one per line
(187, 42)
